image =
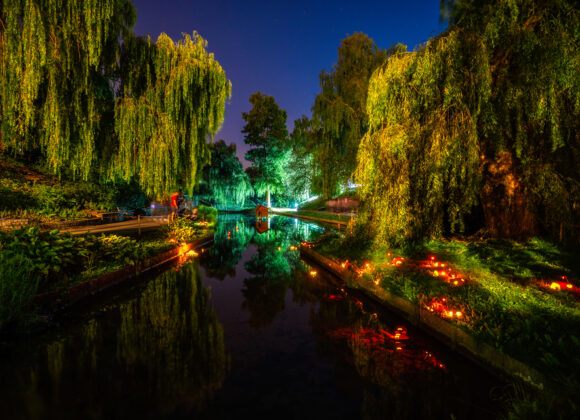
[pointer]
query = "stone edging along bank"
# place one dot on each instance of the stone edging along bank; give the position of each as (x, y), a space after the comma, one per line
(450, 334)
(60, 299)
(314, 219)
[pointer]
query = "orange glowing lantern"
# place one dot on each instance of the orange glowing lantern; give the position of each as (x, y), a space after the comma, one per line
(313, 273)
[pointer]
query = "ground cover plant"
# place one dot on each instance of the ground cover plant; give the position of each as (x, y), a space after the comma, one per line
(521, 297)
(35, 194)
(34, 261)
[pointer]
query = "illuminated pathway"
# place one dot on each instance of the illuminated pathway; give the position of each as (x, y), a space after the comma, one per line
(145, 223)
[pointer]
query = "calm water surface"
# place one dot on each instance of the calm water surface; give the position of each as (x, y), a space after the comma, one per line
(244, 330)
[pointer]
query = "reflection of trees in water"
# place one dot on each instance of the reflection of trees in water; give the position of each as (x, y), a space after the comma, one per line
(274, 269)
(221, 259)
(159, 353)
(173, 331)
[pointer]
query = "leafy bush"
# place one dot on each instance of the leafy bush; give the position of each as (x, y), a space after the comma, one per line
(207, 214)
(184, 230)
(117, 249)
(52, 255)
(18, 285)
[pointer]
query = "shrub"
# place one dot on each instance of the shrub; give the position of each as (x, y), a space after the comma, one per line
(208, 214)
(52, 255)
(183, 230)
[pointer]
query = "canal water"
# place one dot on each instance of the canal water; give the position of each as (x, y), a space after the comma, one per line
(246, 329)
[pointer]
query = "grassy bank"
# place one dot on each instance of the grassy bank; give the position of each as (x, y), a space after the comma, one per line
(520, 297)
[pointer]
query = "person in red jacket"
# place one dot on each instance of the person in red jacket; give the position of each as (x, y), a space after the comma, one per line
(175, 201)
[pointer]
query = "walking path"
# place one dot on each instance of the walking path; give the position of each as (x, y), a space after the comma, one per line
(141, 224)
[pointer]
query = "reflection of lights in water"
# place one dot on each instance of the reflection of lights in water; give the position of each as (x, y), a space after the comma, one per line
(384, 348)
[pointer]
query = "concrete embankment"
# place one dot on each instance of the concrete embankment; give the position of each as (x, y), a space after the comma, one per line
(314, 219)
(448, 333)
(60, 299)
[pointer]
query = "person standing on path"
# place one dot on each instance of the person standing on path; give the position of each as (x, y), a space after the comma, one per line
(175, 201)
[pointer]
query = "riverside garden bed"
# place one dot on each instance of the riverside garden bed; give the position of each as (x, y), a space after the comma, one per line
(63, 268)
(513, 306)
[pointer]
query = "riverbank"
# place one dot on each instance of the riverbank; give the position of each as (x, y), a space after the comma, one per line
(341, 219)
(60, 299)
(41, 272)
(512, 306)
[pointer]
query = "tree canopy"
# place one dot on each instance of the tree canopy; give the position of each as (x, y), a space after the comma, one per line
(57, 60)
(339, 116)
(224, 182)
(266, 132)
(60, 64)
(162, 133)
(486, 114)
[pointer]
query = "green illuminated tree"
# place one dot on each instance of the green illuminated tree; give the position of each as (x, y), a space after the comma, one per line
(224, 182)
(300, 165)
(266, 132)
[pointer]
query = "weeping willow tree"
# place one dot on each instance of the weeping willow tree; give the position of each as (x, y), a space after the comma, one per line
(487, 114)
(418, 165)
(162, 128)
(224, 183)
(60, 63)
(56, 63)
(339, 115)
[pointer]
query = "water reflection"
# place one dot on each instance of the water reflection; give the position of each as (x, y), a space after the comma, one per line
(254, 335)
(232, 237)
(164, 347)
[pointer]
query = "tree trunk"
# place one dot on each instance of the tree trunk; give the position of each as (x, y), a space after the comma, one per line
(268, 198)
(504, 202)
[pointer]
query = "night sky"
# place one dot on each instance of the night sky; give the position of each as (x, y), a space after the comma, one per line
(279, 48)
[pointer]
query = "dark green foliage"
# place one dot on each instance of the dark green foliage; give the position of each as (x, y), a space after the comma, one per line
(34, 194)
(300, 167)
(224, 183)
(207, 214)
(52, 256)
(339, 117)
(18, 285)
